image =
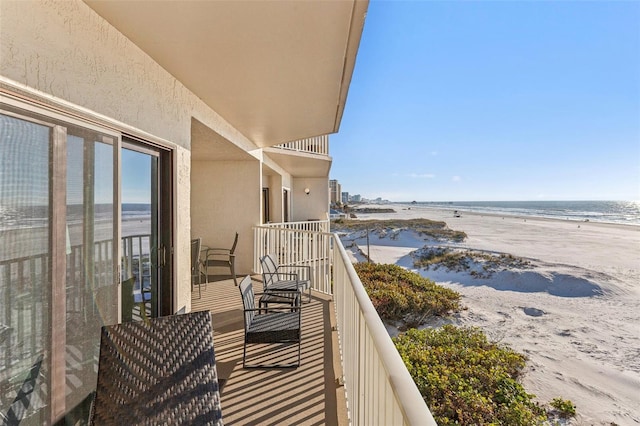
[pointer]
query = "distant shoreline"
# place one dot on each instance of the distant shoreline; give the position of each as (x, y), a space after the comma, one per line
(572, 217)
(532, 217)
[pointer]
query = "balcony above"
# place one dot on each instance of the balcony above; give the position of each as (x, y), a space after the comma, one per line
(277, 71)
(318, 145)
(303, 158)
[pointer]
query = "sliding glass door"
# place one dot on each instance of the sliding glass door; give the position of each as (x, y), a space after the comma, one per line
(26, 156)
(91, 286)
(83, 215)
(146, 290)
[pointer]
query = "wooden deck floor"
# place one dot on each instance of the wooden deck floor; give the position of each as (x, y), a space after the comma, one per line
(307, 395)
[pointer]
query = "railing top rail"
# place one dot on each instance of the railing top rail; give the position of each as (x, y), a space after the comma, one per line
(289, 224)
(301, 222)
(411, 403)
(135, 236)
(23, 258)
(299, 231)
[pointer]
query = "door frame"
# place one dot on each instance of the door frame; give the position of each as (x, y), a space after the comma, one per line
(162, 190)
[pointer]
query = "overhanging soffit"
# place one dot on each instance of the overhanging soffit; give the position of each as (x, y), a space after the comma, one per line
(276, 70)
(301, 164)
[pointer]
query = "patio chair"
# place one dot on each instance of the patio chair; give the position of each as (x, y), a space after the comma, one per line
(221, 257)
(161, 371)
(276, 278)
(131, 298)
(196, 265)
(271, 326)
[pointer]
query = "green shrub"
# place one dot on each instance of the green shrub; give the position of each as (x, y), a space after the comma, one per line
(563, 407)
(401, 295)
(428, 228)
(466, 380)
(462, 260)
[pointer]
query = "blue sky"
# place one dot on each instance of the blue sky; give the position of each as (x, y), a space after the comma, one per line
(136, 177)
(502, 100)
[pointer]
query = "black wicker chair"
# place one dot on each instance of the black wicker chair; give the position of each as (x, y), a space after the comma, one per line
(161, 371)
(276, 277)
(271, 326)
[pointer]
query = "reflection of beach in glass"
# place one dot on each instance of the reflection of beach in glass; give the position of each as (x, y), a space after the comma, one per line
(25, 311)
(136, 219)
(139, 234)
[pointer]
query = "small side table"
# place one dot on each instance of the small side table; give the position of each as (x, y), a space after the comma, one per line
(291, 298)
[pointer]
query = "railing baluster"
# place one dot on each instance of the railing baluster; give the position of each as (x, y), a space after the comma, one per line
(34, 292)
(7, 312)
(314, 145)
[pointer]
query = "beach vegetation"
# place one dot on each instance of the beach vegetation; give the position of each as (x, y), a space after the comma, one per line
(399, 295)
(477, 264)
(374, 210)
(564, 408)
(436, 230)
(467, 380)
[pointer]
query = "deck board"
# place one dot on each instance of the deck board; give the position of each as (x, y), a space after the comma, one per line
(307, 395)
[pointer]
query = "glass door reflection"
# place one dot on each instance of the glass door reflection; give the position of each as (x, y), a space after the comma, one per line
(139, 234)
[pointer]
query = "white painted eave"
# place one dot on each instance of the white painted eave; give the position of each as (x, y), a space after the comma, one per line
(278, 71)
(300, 164)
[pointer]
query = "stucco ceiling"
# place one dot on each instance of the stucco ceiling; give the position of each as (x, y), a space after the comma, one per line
(276, 70)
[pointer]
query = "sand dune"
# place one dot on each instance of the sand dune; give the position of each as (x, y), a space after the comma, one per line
(575, 312)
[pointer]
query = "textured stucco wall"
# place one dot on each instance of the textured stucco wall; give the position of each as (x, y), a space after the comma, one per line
(312, 206)
(66, 50)
(182, 227)
(69, 53)
(226, 198)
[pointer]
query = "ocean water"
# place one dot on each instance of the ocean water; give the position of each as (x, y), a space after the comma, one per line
(21, 217)
(24, 230)
(626, 212)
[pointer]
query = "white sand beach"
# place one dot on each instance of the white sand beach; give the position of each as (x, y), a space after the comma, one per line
(575, 313)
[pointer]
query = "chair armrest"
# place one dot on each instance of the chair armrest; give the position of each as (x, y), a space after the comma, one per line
(283, 309)
(289, 274)
(219, 253)
(219, 249)
(275, 275)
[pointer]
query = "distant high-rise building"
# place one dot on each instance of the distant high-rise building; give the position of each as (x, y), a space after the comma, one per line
(335, 191)
(356, 198)
(345, 198)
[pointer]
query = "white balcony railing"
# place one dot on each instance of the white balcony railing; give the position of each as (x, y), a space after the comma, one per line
(379, 388)
(315, 145)
(305, 225)
(297, 243)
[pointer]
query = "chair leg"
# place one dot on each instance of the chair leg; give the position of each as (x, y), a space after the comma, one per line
(244, 354)
(193, 284)
(233, 271)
